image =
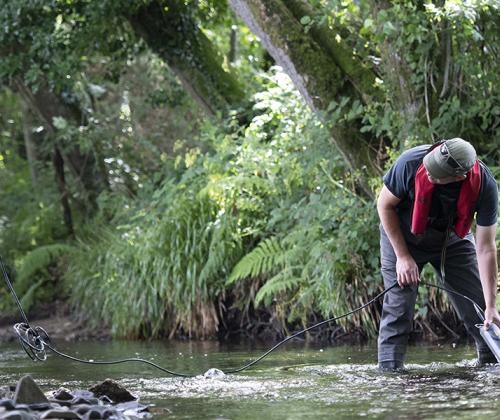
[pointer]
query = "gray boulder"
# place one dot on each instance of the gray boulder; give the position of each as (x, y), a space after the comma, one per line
(28, 392)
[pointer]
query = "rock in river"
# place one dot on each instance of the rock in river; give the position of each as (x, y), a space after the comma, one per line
(113, 391)
(28, 392)
(105, 400)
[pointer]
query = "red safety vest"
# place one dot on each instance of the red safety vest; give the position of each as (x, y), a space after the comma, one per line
(467, 199)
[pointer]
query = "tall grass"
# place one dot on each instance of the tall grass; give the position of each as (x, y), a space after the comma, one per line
(163, 273)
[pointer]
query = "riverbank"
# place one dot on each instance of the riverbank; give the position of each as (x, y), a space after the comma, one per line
(60, 328)
(61, 324)
(70, 327)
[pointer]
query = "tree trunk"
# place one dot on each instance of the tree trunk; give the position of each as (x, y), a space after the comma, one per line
(63, 190)
(397, 74)
(321, 70)
(172, 33)
(233, 45)
(83, 166)
(361, 78)
(29, 143)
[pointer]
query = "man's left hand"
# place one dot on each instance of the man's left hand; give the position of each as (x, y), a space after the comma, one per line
(491, 315)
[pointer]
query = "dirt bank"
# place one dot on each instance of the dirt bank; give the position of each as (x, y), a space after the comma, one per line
(59, 329)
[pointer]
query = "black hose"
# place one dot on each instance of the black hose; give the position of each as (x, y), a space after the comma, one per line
(9, 284)
(35, 340)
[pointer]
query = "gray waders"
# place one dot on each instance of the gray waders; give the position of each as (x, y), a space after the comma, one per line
(461, 275)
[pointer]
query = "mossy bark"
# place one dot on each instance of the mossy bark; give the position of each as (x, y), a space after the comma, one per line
(172, 33)
(314, 73)
(358, 75)
(321, 71)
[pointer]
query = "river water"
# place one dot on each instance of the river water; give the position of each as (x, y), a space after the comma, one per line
(297, 381)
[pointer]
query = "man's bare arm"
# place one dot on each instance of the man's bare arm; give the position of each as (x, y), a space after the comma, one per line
(488, 269)
(406, 268)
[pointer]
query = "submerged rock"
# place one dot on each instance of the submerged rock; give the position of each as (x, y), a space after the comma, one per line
(39, 406)
(7, 404)
(60, 413)
(67, 398)
(63, 394)
(7, 392)
(214, 373)
(17, 415)
(113, 390)
(28, 392)
(132, 408)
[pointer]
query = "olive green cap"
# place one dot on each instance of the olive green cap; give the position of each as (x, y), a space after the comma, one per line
(453, 157)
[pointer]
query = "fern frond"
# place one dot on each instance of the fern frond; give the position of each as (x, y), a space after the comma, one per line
(224, 250)
(28, 298)
(263, 259)
(281, 282)
(38, 259)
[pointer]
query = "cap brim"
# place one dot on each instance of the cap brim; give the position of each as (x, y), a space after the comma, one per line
(434, 167)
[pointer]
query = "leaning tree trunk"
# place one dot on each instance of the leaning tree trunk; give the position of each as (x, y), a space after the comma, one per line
(321, 70)
(170, 31)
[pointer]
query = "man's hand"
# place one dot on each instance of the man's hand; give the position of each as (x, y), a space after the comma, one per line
(407, 271)
(491, 316)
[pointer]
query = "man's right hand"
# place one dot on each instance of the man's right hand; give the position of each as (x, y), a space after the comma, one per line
(407, 271)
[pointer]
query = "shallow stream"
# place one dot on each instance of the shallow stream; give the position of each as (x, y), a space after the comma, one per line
(297, 381)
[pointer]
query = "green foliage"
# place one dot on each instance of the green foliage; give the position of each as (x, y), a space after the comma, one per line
(171, 259)
(436, 65)
(262, 260)
(257, 210)
(35, 275)
(37, 260)
(319, 260)
(50, 41)
(29, 215)
(32, 271)
(161, 271)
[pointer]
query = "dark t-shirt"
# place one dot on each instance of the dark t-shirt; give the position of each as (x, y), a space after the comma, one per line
(400, 180)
